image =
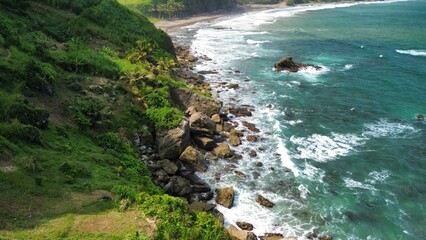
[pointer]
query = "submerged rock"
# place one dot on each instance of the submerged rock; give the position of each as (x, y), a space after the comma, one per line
(287, 64)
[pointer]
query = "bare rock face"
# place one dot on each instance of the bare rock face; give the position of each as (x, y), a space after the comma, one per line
(264, 202)
(205, 143)
(172, 142)
(225, 196)
(287, 64)
(168, 166)
(223, 151)
(185, 98)
(194, 159)
(201, 125)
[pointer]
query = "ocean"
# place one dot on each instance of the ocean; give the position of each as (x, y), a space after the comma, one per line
(341, 147)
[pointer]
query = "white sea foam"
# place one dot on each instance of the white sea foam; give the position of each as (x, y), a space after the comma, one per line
(378, 177)
(285, 158)
(350, 183)
(312, 173)
(413, 52)
(254, 42)
(348, 66)
(325, 148)
(384, 128)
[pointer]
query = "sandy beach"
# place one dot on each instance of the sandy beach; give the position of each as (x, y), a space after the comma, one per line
(172, 25)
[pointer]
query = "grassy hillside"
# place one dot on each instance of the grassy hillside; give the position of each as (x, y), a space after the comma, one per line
(78, 79)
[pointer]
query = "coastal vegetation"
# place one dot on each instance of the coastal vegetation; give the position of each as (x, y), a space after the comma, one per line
(78, 80)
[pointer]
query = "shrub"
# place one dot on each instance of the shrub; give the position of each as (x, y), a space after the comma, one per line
(124, 192)
(87, 113)
(8, 32)
(164, 118)
(18, 131)
(113, 141)
(75, 170)
(40, 76)
(157, 99)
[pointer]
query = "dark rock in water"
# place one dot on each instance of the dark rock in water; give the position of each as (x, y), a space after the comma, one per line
(204, 196)
(245, 226)
(272, 236)
(287, 64)
(259, 164)
(256, 175)
(420, 117)
(201, 207)
(264, 202)
(250, 126)
(252, 153)
(241, 112)
(251, 138)
(225, 196)
(240, 174)
(207, 72)
(325, 237)
(312, 234)
(233, 86)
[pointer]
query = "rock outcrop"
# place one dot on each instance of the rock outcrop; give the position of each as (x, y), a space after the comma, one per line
(240, 234)
(225, 196)
(287, 64)
(201, 125)
(245, 226)
(205, 143)
(172, 142)
(185, 98)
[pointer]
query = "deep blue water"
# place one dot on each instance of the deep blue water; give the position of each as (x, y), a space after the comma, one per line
(347, 152)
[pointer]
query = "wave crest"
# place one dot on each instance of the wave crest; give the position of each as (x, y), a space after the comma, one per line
(413, 52)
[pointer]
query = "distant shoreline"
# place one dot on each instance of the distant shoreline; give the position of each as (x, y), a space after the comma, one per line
(172, 25)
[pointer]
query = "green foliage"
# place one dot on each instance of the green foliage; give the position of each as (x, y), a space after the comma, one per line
(165, 117)
(8, 32)
(76, 6)
(177, 222)
(124, 192)
(87, 113)
(17, 131)
(143, 50)
(113, 141)
(80, 59)
(158, 99)
(39, 75)
(75, 169)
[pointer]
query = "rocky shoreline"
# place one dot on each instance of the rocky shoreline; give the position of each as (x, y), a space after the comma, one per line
(205, 134)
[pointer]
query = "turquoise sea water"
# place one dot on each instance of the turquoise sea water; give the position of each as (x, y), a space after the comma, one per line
(342, 149)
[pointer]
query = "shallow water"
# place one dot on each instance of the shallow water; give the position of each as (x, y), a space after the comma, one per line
(345, 152)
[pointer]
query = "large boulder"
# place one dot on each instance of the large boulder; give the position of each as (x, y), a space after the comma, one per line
(225, 196)
(205, 143)
(287, 64)
(185, 98)
(274, 236)
(234, 140)
(194, 159)
(201, 125)
(172, 142)
(177, 186)
(223, 151)
(168, 166)
(201, 206)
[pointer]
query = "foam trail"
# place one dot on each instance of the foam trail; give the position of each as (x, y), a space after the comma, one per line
(285, 158)
(413, 52)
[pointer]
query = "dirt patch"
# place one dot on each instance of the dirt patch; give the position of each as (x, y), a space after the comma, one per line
(6, 162)
(115, 223)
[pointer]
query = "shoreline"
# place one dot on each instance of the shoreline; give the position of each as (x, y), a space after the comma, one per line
(172, 25)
